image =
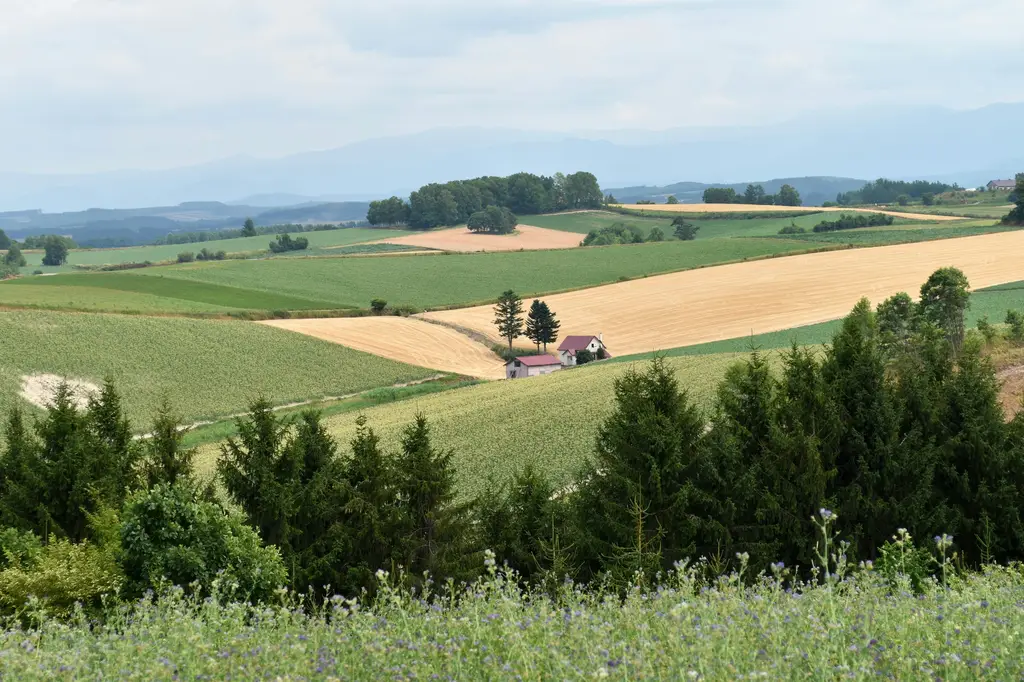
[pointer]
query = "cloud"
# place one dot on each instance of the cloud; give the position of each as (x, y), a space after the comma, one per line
(91, 84)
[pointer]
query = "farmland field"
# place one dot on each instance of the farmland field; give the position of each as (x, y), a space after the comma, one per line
(881, 236)
(748, 208)
(137, 254)
(583, 222)
(461, 279)
(206, 368)
(736, 300)
(496, 428)
(404, 339)
(526, 237)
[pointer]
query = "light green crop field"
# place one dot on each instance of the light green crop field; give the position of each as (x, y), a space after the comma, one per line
(319, 242)
(207, 368)
(120, 292)
(585, 221)
(496, 428)
(460, 279)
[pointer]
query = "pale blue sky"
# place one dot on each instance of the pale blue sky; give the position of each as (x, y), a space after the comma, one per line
(102, 84)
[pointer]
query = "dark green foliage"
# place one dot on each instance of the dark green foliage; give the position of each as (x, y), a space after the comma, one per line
(1016, 216)
(788, 196)
(5, 241)
(435, 528)
(618, 233)
(14, 258)
(720, 195)
(897, 318)
(55, 250)
(508, 316)
(77, 463)
(884, 191)
(493, 220)
(167, 461)
(186, 257)
(393, 211)
(945, 298)
(169, 534)
(249, 228)
(378, 305)
(1015, 321)
(672, 199)
(683, 230)
(284, 243)
(584, 356)
(852, 222)
(206, 254)
(656, 235)
(793, 228)
(903, 200)
(40, 241)
(928, 199)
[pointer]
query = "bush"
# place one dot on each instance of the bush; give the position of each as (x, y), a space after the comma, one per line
(793, 228)
(903, 564)
(584, 356)
(656, 235)
(284, 243)
(13, 257)
(928, 199)
(169, 534)
(206, 254)
(1015, 320)
(903, 200)
(618, 233)
(59, 575)
(987, 330)
(186, 257)
(378, 305)
(850, 222)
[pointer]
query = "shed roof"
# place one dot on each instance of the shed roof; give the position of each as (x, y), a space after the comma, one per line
(536, 360)
(576, 342)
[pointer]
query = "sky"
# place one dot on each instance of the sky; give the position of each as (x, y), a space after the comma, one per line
(90, 85)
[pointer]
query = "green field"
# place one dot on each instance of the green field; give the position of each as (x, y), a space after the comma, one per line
(421, 281)
(206, 368)
(475, 421)
(882, 236)
(319, 243)
(584, 222)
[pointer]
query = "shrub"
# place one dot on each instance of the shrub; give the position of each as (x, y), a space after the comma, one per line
(792, 228)
(284, 243)
(584, 356)
(644, 202)
(59, 575)
(903, 564)
(850, 222)
(618, 233)
(656, 235)
(169, 534)
(186, 257)
(1015, 320)
(903, 200)
(987, 330)
(13, 257)
(378, 305)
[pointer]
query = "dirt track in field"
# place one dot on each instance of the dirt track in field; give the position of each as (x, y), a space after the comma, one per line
(747, 208)
(406, 340)
(527, 238)
(730, 301)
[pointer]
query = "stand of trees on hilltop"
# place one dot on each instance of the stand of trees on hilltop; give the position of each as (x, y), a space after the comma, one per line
(883, 191)
(454, 203)
(1016, 216)
(754, 195)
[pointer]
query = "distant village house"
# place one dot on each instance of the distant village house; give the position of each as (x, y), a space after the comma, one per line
(1006, 185)
(572, 345)
(531, 366)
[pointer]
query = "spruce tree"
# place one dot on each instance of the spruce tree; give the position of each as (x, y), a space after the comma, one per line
(167, 460)
(22, 482)
(437, 528)
(508, 316)
(535, 323)
(550, 326)
(115, 455)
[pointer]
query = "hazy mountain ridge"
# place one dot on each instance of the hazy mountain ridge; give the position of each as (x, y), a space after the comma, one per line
(970, 147)
(813, 190)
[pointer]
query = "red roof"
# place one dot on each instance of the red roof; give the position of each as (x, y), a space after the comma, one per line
(538, 360)
(576, 342)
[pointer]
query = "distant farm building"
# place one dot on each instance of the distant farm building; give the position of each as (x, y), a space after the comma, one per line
(572, 345)
(531, 366)
(1006, 185)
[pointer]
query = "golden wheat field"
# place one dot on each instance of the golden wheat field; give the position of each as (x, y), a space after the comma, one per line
(747, 208)
(730, 301)
(416, 342)
(526, 238)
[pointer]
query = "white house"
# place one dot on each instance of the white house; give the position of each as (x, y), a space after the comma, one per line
(531, 366)
(571, 345)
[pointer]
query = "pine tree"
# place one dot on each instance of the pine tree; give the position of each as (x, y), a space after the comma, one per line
(436, 527)
(114, 455)
(167, 460)
(508, 316)
(259, 474)
(549, 326)
(22, 482)
(535, 323)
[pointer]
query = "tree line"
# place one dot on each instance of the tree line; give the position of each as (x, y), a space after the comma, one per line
(754, 194)
(1016, 216)
(851, 222)
(884, 191)
(896, 424)
(454, 203)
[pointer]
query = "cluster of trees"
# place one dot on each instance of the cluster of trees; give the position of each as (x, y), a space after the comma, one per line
(883, 191)
(493, 220)
(1016, 216)
(621, 233)
(13, 259)
(453, 203)
(284, 243)
(541, 326)
(204, 254)
(851, 222)
(896, 424)
(754, 194)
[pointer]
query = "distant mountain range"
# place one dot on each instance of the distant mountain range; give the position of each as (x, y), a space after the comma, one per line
(125, 227)
(969, 147)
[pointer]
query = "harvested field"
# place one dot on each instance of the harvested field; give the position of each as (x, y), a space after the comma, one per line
(748, 208)
(526, 238)
(729, 301)
(414, 341)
